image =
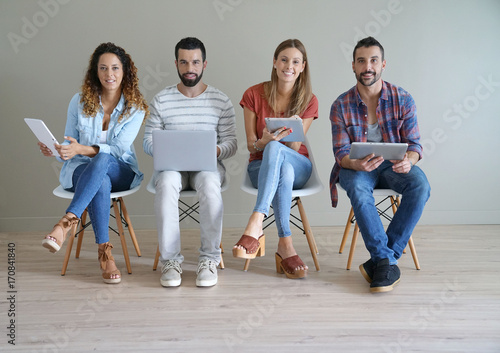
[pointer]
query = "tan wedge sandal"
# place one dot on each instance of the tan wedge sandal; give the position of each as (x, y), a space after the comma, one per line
(65, 224)
(104, 256)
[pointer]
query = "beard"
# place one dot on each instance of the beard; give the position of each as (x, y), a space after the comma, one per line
(364, 82)
(190, 82)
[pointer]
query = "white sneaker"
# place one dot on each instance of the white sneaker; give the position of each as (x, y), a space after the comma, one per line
(207, 273)
(171, 274)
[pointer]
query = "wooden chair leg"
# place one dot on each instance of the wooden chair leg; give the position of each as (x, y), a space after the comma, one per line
(122, 235)
(353, 246)
(221, 264)
(309, 233)
(83, 221)
(68, 249)
(157, 258)
(414, 253)
(346, 231)
(130, 228)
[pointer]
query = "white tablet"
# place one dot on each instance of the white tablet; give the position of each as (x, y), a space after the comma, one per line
(43, 134)
(390, 151)
(294, 123)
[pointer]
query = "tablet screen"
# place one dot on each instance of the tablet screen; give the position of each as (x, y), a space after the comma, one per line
(294, 123)
(390, 151)
(43, 134)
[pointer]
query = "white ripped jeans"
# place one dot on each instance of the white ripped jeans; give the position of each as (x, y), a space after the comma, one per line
(168, 185)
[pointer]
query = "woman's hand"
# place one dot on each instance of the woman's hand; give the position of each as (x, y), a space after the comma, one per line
(277, 135)
(45, 150)
(69, 151)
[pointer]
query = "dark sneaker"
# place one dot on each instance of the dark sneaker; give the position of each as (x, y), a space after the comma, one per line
(367, 269)
(385, 277)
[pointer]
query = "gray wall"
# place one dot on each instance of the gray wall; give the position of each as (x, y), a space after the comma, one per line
(445, 53)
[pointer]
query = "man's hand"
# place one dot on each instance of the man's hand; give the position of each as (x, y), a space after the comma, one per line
(367, 164)
(403, 166)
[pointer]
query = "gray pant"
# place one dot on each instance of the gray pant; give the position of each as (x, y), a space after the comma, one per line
(168, 185)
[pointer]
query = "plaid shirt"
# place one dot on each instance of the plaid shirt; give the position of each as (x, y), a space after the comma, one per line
(396, 115)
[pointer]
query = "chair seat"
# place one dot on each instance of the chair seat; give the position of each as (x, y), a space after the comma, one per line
(65, 194)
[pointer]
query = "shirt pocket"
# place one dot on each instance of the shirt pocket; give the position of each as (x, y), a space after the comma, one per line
(356, 133)
(393, 129)
(86, 135)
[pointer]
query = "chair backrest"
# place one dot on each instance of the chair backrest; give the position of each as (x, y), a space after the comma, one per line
(313, 185)
(185, 193)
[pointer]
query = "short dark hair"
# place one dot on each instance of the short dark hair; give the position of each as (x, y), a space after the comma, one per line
(190, 43)
(365, 43)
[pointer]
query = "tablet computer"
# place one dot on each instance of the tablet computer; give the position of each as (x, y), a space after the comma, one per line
(390, 151)
(43, 134)
(294, 123)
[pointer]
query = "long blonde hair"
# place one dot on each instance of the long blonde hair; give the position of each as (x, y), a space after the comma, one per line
(302, 90)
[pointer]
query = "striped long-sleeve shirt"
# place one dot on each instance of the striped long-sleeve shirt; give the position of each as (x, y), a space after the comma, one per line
(396, 115)
(211, 110)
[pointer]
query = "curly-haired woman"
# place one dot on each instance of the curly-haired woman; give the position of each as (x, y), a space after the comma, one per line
(98, 153)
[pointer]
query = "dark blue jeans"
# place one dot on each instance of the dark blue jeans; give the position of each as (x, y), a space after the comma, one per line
(92, 184)
(415, 191)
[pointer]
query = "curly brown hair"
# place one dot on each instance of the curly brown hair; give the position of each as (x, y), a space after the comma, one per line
(92, 88)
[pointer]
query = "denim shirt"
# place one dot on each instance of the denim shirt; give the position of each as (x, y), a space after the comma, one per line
(87, 131)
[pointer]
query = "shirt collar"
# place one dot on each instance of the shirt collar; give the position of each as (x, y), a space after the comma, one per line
(119, 106)
(383, 94)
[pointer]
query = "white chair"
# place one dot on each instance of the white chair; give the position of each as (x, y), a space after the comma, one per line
(313, 186)
(122, 219)
(388, 195)
(186, 210)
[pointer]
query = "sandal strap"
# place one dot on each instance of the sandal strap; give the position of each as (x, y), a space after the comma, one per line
(67, 222)
(291, 263)
(104, 255)
(250, 244)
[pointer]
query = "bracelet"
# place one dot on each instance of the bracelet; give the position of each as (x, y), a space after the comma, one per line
(255, 146)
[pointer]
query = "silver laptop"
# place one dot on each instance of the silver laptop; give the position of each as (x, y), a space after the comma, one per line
(184, 150)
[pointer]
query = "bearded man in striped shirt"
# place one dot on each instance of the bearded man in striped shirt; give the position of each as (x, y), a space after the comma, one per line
(191, 105)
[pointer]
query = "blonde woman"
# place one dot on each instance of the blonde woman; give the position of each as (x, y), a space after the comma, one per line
(99, 158)
(276, 167)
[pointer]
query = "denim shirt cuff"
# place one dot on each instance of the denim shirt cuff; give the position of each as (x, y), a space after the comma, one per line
(103, 148)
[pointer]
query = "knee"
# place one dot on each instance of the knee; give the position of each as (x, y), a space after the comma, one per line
(287, 174)
(272, 148)
(168, 181)
(421, 190)
(103, 159)
(208, 184)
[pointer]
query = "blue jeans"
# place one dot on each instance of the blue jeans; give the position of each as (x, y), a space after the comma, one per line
(92, 184)
(415, 191)
(275, 176)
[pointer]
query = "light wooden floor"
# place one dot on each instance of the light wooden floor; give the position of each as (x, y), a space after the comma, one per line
(451, 305)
